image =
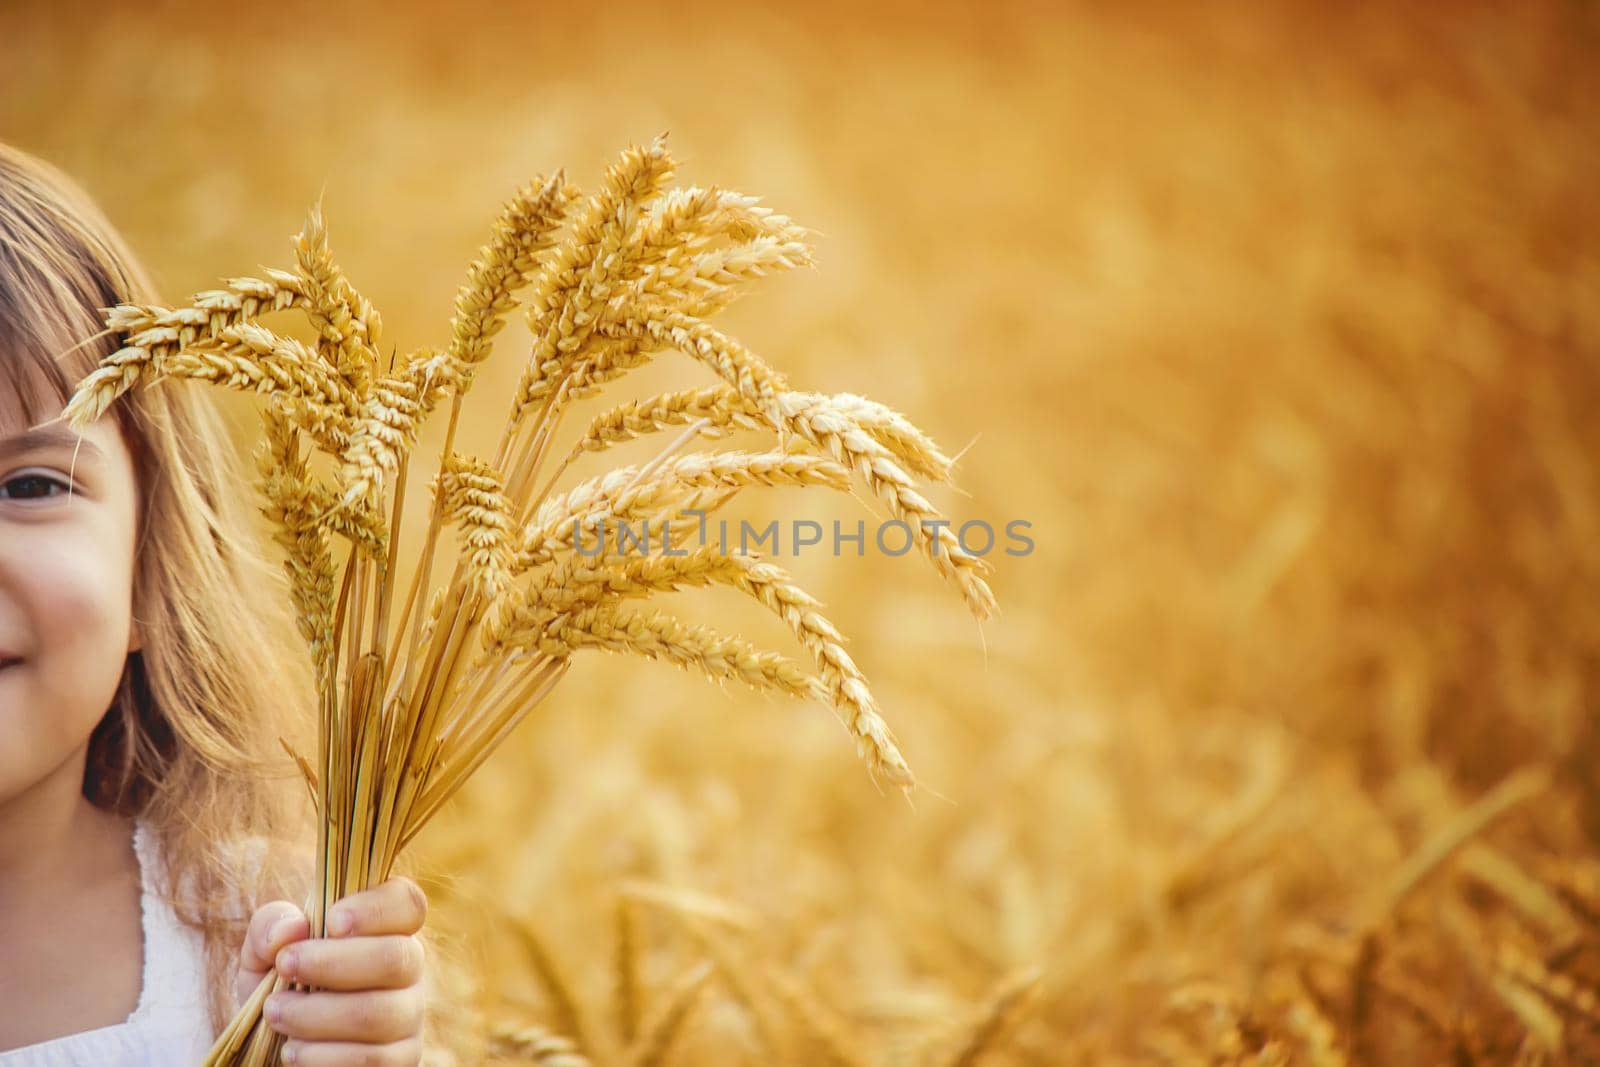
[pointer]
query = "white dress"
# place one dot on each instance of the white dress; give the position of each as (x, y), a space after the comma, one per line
(170, 1027)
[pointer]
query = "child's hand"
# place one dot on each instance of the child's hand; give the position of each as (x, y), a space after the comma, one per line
(370, 966)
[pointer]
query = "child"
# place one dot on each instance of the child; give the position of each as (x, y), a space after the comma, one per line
(148, 667)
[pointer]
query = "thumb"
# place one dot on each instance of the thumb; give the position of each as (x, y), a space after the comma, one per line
(273, 926)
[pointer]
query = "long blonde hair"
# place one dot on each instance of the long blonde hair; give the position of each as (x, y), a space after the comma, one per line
(191, 742)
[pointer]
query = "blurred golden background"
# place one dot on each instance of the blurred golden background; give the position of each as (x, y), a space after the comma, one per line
(1280, 326)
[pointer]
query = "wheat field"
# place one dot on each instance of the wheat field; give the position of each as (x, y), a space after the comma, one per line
(1278, 327)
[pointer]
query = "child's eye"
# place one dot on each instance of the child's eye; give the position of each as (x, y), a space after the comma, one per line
(31, 487)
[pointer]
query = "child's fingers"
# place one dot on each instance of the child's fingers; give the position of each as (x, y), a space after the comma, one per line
(373, 1017)
(407, 1053)
(398, 906)
(273, 926)
(245, 984)
(348, 963)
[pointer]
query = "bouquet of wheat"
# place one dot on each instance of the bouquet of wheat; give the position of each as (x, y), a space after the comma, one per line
(414, 698)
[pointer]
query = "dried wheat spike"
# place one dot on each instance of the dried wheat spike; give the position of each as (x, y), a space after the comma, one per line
(915, 450)
(687, 221)
(151, 333)
(309, 559)
(623, 495)
(536, 1045)
(524, 231)
(719, 405)
(471, 493)
(684, 278)
(658, 635)
(247, 355)
(574, 289)
(346, 323)
(843, 686)
(756, 381)
(385, 430)
(831, 432)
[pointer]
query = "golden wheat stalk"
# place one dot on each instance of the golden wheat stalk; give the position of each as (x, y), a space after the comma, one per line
(661, 1031)
(418, 683)
(1006, 1004)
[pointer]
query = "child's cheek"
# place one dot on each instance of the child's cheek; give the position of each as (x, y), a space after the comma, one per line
(66, 608)
(81, 611)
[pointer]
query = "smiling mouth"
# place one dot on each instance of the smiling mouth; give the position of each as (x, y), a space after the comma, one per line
(4, 663)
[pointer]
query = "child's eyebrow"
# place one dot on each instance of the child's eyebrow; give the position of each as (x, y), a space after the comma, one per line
(52, 435)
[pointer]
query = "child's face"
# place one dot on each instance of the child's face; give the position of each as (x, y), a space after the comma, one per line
(66, 588)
